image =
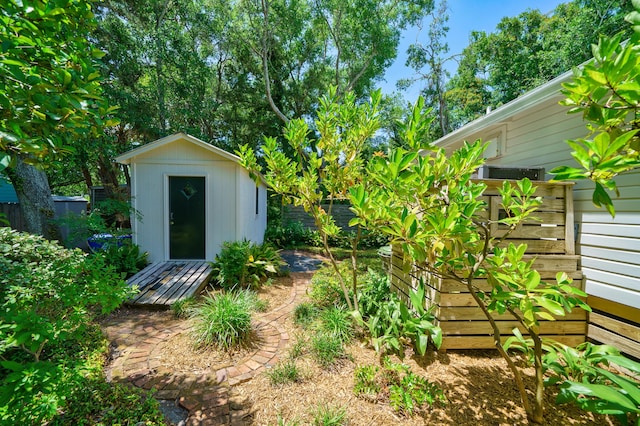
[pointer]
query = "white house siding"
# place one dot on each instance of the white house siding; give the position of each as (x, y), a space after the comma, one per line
(610, 248)
(535, 137)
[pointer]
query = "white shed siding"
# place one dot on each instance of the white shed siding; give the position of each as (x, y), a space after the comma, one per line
(152, 202)
(230, 194)
(610, 248)
(249, 224)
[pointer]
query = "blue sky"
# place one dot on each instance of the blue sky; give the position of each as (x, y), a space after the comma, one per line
(464, 17)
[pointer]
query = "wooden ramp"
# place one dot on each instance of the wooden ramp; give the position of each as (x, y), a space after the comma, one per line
(165, 283)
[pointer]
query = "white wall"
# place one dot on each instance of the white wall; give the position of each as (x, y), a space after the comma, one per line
(227, 203)
(249, 224)
(610, 248)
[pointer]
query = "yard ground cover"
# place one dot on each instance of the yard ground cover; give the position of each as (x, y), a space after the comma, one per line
(477, 384)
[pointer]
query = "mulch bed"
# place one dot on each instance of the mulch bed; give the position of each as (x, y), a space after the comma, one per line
(478, 385)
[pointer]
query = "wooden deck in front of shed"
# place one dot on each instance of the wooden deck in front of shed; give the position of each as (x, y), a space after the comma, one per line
(164, 283)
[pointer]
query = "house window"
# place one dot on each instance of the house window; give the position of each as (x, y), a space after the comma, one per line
(496, 145)
(257, 199)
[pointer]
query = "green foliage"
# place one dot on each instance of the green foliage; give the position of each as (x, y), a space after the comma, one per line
(391, 322)
(295, 234)
(291, 235)
(430, 207)
(607, 93)
(365, 383)
(48, 296)
(223, 320)
(409, 391)
(327, 349)
(284, 372)
(526, 51)
(181, 307)
(50, 88)
(322, 167)
(328, 415)
(336, 321)
(305, 313)
(515, 285)
(108, 404)
(585, 378)
(298, 348)
(245, 264)
(124, 257)
(325, 286)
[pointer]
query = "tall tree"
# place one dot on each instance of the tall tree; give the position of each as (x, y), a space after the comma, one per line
(305, 46)
(428, 60)
(49, 92)
(528, 50)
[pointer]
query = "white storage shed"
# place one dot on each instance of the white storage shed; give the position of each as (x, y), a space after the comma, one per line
(191, 197)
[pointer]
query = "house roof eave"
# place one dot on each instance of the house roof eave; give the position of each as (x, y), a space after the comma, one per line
(542, 93)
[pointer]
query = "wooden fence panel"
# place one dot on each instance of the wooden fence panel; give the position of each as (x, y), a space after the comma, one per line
(11, 212)
(550, 242)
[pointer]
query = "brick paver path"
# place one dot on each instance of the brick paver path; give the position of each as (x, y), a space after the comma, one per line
(206, 395)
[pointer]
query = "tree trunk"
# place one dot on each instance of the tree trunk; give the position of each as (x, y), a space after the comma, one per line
(36, 203)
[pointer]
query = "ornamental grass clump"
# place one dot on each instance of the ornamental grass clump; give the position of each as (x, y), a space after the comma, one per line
(337, 322)
(284, 373)
(327, 349)
(223, 320)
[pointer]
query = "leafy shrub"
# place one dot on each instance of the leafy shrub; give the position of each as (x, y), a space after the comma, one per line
(409, 391)
(107, 217)
(291, 235)
(223, 320)
(245, 264)
(372, 240)
(365, 383)
(327, 349)
(295, 234)
(109, 404)
(124, 257)
(325, 287)
(391, 321)
(337, 322)
(327, 415)
(583, 380)
(284, 372)
(375, 291)
(48, 297)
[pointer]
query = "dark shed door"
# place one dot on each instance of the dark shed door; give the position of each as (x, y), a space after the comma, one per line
(187, 217)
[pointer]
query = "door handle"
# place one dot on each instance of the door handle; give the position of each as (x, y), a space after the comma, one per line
(171, 222)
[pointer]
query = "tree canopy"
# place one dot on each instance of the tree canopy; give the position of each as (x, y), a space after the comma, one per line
(526, 51)
(50, 86)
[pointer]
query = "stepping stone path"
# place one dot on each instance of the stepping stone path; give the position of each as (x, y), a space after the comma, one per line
(204, 395)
